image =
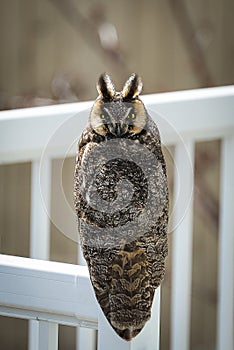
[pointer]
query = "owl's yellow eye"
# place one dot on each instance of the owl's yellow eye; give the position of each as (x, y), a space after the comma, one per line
(132, 116)
(102, 116)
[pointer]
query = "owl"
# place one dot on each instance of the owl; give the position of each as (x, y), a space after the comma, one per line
(121, 201)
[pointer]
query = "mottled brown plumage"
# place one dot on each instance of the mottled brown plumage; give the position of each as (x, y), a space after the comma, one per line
(121, 200)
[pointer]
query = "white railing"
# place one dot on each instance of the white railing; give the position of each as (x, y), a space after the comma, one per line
(51, 293)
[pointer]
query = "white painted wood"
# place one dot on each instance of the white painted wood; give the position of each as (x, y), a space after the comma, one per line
(45, 335)
(201, 114)
(26, 133)
(33, 335)
(48, 336)
(39, 222)
(147, 339)
(40, 204)
(225, 329)
(47, 291)
(80, 256)
(85, 338)
(182, 246)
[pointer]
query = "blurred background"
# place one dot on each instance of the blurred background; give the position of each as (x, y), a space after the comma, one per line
(53, 51)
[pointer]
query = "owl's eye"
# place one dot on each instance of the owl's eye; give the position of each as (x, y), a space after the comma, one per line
(103, 116)
(132, 116)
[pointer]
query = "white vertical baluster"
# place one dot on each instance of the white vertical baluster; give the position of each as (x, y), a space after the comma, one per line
(33, 341)
(39, 224)
(40, 204)
(48, 336)
(182, 246)
(85, 338)
(45, 335)
(226, 249)
(147, 339)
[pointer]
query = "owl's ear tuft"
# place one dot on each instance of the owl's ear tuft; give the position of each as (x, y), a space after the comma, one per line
(105, 87)
(132, 87)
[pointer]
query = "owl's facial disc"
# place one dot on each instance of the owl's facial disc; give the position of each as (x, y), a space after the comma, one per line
(116, 123)
(118, 118)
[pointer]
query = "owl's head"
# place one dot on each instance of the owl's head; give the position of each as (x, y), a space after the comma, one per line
(118, 114)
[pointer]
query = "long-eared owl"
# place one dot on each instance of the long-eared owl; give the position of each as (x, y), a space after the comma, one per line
(121, 200)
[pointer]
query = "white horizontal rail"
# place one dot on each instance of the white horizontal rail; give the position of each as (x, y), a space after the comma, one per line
(24, 133)
(52, 293)
(202, 114)
(47, 291)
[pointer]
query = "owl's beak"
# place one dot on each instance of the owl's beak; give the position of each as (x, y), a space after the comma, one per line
(118, 130)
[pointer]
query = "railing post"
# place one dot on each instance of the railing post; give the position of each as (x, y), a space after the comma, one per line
(48, 336)
(39, 226)
(226, 249)
(147, 339)
(40, 201)
(182, 246)
(85, 338)
(45, 336)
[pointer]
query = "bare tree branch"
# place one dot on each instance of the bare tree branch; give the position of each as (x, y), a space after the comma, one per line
(188, 33)
(89, 31)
